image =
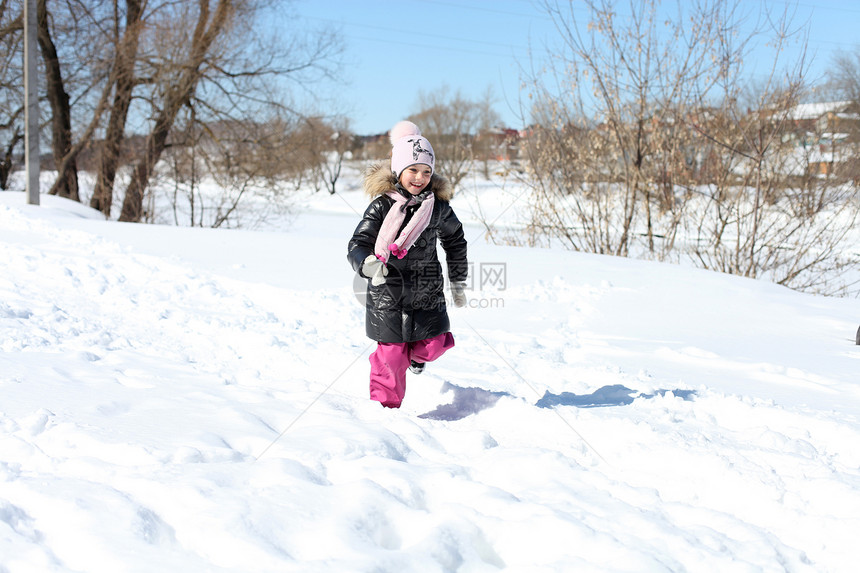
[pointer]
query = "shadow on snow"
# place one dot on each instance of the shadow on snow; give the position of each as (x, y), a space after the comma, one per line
(614, 395)
(468, 401)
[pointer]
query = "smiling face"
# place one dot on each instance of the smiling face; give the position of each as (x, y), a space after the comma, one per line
(415, 178)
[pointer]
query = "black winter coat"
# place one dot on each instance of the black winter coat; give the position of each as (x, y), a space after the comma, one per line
(410, 306)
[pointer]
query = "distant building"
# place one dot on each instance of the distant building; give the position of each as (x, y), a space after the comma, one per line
(829, 133)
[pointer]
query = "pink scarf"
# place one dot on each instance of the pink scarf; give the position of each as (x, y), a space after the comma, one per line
(386, 243)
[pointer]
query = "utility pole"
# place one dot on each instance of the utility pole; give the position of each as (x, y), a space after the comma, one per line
(31, 102)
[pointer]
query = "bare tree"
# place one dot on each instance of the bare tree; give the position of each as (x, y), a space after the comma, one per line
(225, 71)
(844, 84)
(126, 41)
(11, 82)
(74, 66)
(61, 112)
(331, 143)
(451, 122)
(844, 76)
(208, 63)
(6, 161)
(179, 87)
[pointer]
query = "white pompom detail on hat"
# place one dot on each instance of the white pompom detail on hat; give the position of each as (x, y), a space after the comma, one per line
(402, 129)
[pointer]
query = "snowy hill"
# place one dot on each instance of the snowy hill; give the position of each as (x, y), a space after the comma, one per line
(177, 399)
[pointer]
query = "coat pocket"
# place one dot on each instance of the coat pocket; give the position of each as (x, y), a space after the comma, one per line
(386, 296)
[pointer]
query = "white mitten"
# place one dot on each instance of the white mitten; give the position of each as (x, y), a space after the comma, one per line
(375, 270)
(458, 294)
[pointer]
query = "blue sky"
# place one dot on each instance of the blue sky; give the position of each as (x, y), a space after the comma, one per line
(476, 45)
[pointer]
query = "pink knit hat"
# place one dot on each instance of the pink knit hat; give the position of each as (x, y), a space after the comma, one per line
(408, 147)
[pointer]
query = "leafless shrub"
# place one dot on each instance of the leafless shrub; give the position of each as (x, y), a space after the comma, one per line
(645, 143)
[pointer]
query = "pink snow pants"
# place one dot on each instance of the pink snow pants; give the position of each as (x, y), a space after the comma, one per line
(390, 361)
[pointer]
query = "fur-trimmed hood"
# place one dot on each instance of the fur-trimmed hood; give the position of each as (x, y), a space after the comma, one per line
(379, 180)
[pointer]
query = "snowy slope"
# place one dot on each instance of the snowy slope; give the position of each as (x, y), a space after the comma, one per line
(195, 400)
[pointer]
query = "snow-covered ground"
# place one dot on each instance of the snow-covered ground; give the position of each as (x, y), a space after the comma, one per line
(177, 399)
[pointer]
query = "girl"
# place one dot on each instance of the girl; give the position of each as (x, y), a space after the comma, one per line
(394, 247)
